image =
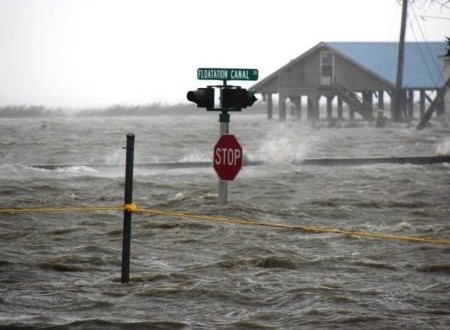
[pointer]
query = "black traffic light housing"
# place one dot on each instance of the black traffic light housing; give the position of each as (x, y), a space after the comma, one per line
(237, 98)
(233, 98)
(203, 97)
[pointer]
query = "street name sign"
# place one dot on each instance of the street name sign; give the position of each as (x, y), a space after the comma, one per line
(226, 74)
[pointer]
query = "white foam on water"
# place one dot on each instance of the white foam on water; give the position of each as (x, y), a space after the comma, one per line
(196, 157)
(77, 169)
(285, 144)
(115, 157)
(443, 148)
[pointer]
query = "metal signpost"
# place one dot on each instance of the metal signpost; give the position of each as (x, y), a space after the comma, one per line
(227, 160)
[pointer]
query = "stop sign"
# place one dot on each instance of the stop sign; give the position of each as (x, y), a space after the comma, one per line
(227, 157)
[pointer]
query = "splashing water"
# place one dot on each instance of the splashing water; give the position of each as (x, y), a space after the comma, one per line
(443, 149)
(286, 144)
(196, 157)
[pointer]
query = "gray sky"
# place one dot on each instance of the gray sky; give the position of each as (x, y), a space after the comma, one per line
(87, 53)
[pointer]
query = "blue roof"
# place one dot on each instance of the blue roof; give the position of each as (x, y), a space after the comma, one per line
(423, 66)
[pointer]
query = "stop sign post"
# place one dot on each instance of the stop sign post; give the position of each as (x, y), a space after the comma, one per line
(227, 157)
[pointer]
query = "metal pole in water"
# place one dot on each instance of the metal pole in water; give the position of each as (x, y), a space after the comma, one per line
(223, 185)
(224, 119)
(126, 244)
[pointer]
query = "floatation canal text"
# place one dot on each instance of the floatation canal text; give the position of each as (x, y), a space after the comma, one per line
(227, 74)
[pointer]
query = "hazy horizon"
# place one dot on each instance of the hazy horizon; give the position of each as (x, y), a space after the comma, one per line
(97, 53)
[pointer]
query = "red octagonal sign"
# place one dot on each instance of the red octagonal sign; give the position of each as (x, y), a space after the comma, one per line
(227, 157)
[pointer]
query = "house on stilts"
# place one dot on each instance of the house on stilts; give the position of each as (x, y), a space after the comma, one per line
(358, 77)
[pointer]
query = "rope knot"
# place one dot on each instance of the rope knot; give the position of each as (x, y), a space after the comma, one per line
(130, 208)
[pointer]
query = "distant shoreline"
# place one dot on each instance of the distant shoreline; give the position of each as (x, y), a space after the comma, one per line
(155, 109)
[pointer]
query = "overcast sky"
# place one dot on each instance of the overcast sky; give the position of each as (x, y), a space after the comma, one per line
(96, 53)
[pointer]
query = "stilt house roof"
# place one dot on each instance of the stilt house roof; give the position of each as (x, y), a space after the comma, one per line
(423, 64)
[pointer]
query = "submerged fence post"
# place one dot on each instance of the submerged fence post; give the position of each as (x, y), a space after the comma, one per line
(126, 244)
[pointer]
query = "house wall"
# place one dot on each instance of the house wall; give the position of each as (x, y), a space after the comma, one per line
(303, 76)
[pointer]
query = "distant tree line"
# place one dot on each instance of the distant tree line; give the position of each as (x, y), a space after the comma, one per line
(29, 111)
(19, 111)
(139, 110)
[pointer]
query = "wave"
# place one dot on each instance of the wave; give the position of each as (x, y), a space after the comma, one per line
(98, 324)
(14, 168)
(191, 162)
(443, 148)
(435, 268)
(260, 262)
(77, 169)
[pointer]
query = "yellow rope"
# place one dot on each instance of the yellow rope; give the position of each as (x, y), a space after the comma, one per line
(126, 207)
(60, 209)
(307, 229)
(132, 208)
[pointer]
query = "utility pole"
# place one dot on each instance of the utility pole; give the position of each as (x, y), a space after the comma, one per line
(398, 104)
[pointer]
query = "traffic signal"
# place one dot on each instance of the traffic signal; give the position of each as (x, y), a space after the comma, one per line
(203, 97)
(237, 98)
(251, 98)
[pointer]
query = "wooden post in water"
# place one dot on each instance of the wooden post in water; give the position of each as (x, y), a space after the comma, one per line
(381, 99)
(282, 106)
(422, 104)
(340, 109)
(126, 243)
(269, 106)
(330, 107)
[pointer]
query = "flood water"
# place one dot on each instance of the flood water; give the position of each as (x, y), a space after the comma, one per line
(62, 270)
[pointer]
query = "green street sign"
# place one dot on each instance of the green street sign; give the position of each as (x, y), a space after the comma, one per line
(226, 74)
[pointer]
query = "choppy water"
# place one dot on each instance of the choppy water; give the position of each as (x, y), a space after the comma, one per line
(62, 271)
